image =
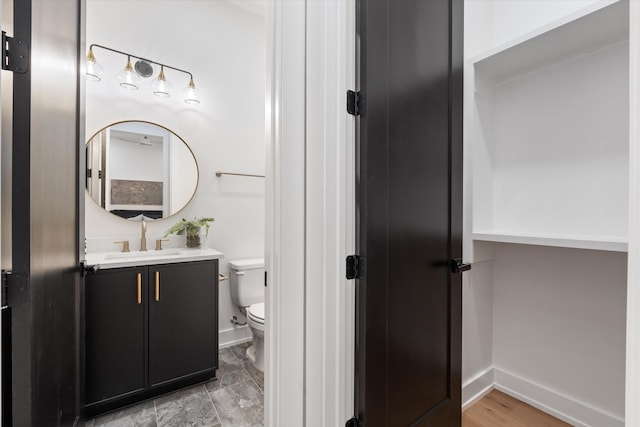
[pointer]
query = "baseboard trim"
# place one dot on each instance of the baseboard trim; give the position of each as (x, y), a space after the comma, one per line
(477, 387)
(233, 336)
(560, 406)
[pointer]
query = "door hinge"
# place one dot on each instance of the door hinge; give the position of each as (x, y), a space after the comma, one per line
(355, 103)
(15, 288)
(15, 54)
(355, 267)
(353, 422)
(457, 266)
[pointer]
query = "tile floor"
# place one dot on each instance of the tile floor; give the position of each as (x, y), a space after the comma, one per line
(234, 400)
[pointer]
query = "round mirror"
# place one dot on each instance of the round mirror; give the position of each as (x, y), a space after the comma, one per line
(140, 170)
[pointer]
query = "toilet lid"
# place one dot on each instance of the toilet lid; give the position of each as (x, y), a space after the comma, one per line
(256, 312)
(246, 264)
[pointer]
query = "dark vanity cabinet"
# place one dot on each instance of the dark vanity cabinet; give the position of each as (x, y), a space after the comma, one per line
(116, 331)
(149, 330)
(183, 318)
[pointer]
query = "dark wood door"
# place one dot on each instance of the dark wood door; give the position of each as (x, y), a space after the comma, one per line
(183, 320)
(409, 213)
(116, 337)
(40, 220)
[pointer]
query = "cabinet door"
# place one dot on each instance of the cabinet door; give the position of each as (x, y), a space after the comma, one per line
(116, 316)
(183, 320)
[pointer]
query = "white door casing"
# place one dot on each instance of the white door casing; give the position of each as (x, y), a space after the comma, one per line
(310, 192)
(285, 213)
(632, 397)
(330, 213)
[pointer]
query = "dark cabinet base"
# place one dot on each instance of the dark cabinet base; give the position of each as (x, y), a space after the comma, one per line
(149, 330)
(117, 403)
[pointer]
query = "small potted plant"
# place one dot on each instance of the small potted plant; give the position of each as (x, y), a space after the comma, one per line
(191, 229)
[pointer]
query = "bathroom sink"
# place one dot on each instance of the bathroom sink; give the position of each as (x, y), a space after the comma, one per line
(105, 260)
(145, 254)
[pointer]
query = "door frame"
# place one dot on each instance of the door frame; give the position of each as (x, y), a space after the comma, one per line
(632, 395)
(331, 213)
(6, 104)
(44, 361)
(284, 194)
(309, 381)
(310, 217)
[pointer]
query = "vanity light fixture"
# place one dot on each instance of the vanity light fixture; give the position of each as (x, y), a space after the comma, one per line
(94, 70)
(129, 76)
(190, 94)
(161, 87)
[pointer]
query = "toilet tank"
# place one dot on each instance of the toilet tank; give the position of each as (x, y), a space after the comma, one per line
(247, 281)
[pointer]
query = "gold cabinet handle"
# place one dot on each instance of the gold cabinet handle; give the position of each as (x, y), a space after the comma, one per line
(139, 288)
(157, 286)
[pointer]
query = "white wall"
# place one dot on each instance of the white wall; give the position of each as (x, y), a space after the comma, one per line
(477, 335)
(224, 47)
(559, 321)
(123, 164)
(553, 317)
(477, 328)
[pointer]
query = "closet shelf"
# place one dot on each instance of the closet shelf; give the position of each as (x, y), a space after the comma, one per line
(600, 24)
(599, 243)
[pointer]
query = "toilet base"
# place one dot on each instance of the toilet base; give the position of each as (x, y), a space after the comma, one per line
(255, 352)
(251, 353)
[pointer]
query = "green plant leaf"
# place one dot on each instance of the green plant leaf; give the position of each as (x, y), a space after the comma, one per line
(191, 227)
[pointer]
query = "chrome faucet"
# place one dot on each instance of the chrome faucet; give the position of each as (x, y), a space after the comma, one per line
(143, 237)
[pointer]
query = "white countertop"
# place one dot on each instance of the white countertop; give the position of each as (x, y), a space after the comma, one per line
(106, 260)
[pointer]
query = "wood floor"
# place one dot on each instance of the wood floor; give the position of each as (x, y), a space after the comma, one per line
(497, 409)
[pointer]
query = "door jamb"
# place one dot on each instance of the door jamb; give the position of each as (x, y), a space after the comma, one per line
(632, 411)
(285, 213)
(330, 216)
(309, 344)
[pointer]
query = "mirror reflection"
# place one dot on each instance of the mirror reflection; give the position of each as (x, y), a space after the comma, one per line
(140, 170)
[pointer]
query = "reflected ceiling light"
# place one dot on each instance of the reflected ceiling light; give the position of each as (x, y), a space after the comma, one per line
(190, 94)
(129, 76)
(161, 87)
(94, 70)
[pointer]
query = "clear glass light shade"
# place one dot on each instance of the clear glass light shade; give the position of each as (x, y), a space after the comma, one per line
(94, 71)
(190, 93)
(128, 77)
(161, 86)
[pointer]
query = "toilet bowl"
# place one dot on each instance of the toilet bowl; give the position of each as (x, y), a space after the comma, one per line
(247, 292)
(255, 319)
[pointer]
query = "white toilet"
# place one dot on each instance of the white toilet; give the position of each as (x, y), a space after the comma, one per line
(247, 292)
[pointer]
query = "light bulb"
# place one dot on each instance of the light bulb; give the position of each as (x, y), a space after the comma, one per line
(161, 86)
(94, 71)
(128, 78)
(190, 94)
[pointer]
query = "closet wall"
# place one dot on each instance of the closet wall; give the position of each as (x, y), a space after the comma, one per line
(547, 119)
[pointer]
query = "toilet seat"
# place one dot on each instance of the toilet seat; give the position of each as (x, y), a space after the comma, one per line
(255, 316)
